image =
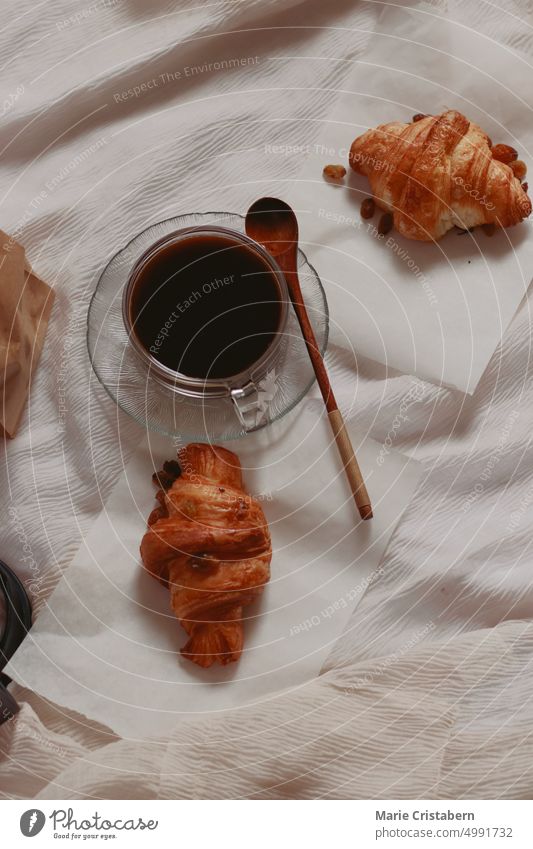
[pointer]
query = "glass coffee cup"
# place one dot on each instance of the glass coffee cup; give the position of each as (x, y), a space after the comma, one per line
(205, 309)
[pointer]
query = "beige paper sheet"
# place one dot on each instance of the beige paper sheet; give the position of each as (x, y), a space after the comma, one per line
(25, 305)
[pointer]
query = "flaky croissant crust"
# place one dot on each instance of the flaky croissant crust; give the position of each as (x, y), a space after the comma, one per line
(437, 173)
(209, 542)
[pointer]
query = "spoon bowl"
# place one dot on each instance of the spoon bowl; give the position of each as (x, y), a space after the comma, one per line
(273, 224)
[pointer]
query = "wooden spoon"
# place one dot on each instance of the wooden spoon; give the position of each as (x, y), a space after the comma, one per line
(273, 224)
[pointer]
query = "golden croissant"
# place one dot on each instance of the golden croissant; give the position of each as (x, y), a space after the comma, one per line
(439, 172)
(209, 543)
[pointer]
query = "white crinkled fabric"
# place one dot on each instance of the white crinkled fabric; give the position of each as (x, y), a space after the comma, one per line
(428, 691)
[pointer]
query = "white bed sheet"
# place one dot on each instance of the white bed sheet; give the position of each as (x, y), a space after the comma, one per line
(87, 163)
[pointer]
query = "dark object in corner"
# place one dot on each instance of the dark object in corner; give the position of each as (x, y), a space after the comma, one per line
(17, 625)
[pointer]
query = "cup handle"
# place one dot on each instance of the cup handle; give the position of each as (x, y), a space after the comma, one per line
(247, 406)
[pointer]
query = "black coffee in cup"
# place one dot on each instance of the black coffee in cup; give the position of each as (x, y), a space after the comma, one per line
(206, 305)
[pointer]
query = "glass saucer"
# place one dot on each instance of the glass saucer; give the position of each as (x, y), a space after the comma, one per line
(159, 407)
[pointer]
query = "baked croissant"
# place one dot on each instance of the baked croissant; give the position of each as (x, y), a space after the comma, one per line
(209, 543)
(439, 172)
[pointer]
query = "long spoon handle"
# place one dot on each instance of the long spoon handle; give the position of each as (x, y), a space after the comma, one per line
(351, 466)
(342, 439)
